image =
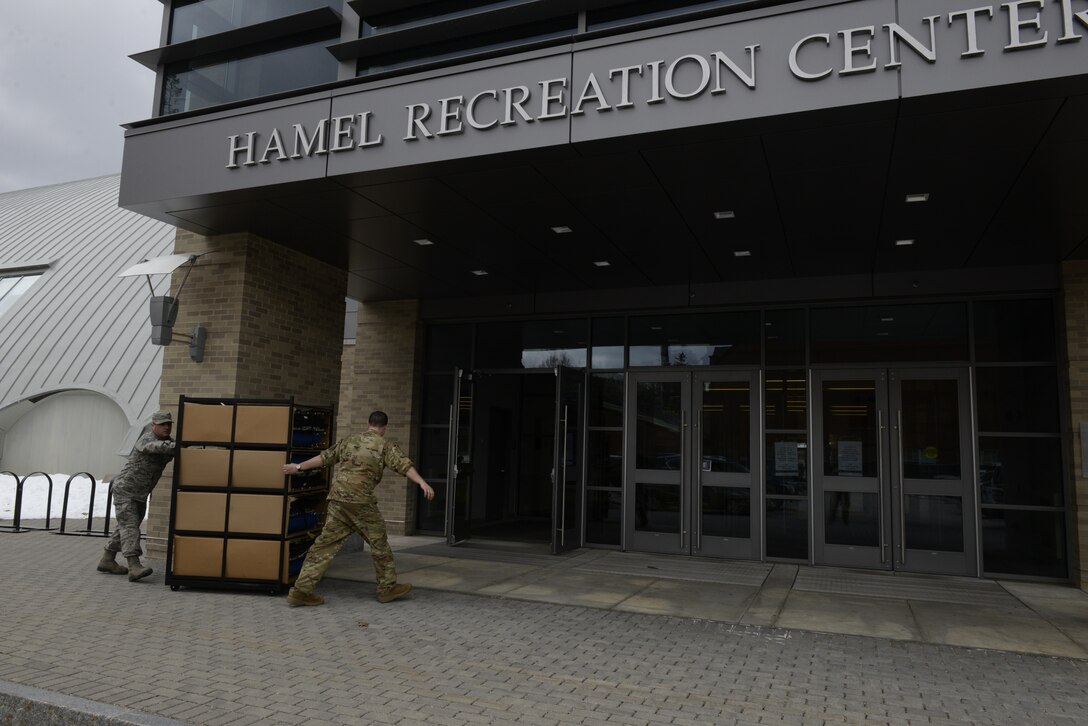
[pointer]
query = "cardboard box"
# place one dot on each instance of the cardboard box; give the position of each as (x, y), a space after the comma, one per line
(253, 559)
(256, 513)
(206, 422)
(204, 467)
(198, 556)
(259, 469)
(262, 424)
(200, 511)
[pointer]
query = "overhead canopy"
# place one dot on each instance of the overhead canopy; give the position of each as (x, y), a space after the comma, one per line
(158, 266)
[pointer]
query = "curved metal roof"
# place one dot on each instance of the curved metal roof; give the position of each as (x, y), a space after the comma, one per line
(80, 326)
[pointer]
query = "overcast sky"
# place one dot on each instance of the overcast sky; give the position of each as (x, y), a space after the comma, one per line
(67, 84)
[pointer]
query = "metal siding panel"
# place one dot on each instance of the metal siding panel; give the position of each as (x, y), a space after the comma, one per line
(82, 326)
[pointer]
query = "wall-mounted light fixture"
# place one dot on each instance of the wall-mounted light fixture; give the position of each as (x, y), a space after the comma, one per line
(164, 309)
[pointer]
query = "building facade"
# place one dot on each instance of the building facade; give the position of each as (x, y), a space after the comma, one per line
(798, 281)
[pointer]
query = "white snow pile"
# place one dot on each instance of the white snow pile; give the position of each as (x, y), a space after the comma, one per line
(36, 496)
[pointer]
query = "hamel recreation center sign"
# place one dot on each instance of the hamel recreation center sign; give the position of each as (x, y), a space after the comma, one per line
(812, 59)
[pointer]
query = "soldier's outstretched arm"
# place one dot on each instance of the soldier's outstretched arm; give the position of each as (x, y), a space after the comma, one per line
(412, 474)
(315, 462)
(155, 446)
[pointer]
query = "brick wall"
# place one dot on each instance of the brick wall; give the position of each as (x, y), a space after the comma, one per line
(386, 376)
(275, 322)
(346, 420)
(1075, 293)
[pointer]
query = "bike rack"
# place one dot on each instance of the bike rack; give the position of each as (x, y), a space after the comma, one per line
(18, 525)
(15, 526)
(89, 531)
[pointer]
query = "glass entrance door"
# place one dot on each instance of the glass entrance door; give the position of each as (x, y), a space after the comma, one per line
(693, 469)
(892, 472)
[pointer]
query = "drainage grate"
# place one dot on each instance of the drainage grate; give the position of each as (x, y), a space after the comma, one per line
(751, 574)
(483, 552)
(903, 587)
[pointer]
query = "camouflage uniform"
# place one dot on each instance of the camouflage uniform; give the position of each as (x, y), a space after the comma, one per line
(131, 488)
(354, 508)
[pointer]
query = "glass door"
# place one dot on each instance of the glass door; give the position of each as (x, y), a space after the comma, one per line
(693, 469)
(850, 475)
(567, 467)
(932, 472)
(460, 469)
(892, 471)
(658, 470)
(726, 466)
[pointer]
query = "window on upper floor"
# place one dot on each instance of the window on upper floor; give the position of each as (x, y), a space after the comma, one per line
(473, 45)
(649, 10)
(13, 285)
(200, 18)
(252, 72)
(429, 13)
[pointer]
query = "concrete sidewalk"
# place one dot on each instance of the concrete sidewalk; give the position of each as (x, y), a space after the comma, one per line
(103, 650)
(1002, 615)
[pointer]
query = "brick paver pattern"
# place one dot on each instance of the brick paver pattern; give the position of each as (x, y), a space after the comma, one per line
(222, 657)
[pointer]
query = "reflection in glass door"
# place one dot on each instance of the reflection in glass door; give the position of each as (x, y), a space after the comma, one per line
(693, 469)
(892, 475)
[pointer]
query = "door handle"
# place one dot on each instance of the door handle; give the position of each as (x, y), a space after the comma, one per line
(683, 469)
(880, 483)
(900, 543)
(697, 530)
(562, 466)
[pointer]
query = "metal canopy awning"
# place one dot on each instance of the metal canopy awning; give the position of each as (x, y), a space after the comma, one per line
(812, 195)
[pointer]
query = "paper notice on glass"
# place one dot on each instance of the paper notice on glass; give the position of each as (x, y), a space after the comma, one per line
(850, 457)
(785, 458)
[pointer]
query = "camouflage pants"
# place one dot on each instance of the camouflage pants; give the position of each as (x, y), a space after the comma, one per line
(341, 520)
(126, 536)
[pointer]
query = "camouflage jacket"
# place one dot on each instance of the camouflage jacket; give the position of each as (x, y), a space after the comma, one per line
(144, 466)
(362, 459)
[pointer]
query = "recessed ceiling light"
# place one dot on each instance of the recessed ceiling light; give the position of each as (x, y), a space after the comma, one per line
(742, 253)
(479, 273)
(904, 242)
(423, 242)
(559, 332)
(886, 320)
(602, 263)
(562, 229)
(655, 327)
(725, 214)
(882, 333)
(768, 324)
(923, 197)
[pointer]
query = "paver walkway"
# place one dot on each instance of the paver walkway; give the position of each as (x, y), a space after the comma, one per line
(221, 657)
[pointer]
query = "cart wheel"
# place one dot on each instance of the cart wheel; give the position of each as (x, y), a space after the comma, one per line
(273, 592)
(175, 588)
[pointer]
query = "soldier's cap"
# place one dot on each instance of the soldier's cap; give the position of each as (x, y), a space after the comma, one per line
(162, 417)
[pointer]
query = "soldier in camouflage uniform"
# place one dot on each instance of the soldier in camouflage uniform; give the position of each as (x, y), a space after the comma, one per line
(152, 452)
(352, 507)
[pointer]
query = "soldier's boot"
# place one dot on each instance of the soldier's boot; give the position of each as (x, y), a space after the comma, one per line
(108, 563)
(394, 592)
(296, 597)
(137, 570)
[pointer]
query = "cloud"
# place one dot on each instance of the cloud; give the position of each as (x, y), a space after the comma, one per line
(67, 84)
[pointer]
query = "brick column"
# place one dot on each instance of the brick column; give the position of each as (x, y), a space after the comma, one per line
(387, 364)
(275, 322)
(1075, 292)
